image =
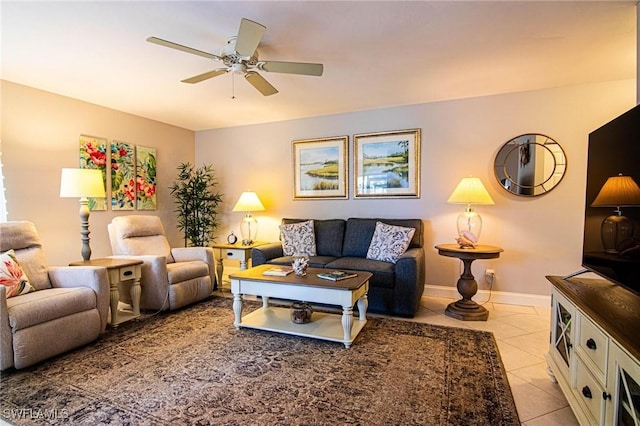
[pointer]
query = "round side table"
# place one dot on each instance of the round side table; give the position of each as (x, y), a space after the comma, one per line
(466, 309)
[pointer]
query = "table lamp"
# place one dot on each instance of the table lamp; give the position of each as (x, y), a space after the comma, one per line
(470, 191)
(82, 183)
(617, 191)
(248, 202)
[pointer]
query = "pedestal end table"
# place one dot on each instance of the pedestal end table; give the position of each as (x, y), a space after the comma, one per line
(466, 309)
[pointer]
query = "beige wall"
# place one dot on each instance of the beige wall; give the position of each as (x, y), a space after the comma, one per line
(40, 133)
(540, 235)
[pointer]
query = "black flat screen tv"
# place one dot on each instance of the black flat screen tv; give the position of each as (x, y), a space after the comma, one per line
(613, 149)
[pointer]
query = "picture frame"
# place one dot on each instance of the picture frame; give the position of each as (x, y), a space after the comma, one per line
(387, 164)
(320, 168)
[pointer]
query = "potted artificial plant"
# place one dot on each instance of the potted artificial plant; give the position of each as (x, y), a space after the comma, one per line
(196, 203)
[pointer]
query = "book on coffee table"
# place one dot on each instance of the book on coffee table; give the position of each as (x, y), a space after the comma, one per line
(278, 271)
(336, 275)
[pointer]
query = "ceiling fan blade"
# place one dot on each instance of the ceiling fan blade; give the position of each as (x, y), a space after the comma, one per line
(292, 67)
(177, 46)
(249, 36)
(205, 76)
(260, 83)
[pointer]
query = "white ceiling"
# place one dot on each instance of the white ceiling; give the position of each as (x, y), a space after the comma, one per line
(375, 54)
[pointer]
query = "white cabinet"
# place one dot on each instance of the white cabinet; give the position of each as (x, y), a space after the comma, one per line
(624, 372)
(594, 348)
(562, 334)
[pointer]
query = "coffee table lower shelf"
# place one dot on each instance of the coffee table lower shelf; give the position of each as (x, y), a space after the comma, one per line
(324, 326)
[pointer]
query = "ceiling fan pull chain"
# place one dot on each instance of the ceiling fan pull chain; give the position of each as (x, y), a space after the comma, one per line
(233, 86)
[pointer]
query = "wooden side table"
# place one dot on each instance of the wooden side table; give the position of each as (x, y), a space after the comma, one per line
(237, 251)
(119, 270)
(466, 309)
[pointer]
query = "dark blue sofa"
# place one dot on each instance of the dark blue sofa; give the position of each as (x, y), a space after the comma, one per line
(394, 289)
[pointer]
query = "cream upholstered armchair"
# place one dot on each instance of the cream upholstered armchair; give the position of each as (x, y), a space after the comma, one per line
(60, 308)
(171, 277)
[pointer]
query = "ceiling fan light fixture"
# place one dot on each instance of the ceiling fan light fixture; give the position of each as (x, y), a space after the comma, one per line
(240, 68)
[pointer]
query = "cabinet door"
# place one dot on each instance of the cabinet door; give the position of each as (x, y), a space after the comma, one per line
(624, 385)
(562, 331)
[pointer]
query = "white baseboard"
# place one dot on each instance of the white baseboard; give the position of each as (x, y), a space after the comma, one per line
(508, 298)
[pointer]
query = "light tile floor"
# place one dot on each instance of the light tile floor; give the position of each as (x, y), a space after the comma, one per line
(522, 334)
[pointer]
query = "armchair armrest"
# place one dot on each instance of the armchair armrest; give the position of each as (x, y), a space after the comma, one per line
(186, 254)
(410, 279)
(266, 252)
(6, 337)
(154, 281)
(94, 277)
(205, 254)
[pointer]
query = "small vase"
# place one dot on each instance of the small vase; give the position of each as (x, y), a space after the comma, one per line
(301, 313)
(300, 263)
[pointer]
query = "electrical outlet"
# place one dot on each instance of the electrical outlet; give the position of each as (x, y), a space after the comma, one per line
(489, 276)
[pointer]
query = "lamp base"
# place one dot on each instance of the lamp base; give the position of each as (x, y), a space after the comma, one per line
(248, 229)
(614, 230)
(469, 222)
(84, 229)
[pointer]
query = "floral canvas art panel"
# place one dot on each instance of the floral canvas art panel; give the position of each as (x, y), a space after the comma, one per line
(146, 198)
(122, 176)
(94, 155)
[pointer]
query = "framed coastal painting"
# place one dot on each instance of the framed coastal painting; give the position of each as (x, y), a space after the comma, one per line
(320, 168)
(387, 164)
(93, 155)
(123, 188)
(146, 198)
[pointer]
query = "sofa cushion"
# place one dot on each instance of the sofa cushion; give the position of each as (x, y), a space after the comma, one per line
(12, 276)
(383, 272)
(389, 242)
(314, 261)
(359, 232)
(329, 235)
(298, 238)
(46, 305)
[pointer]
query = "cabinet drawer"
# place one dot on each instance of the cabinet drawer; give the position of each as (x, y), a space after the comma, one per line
(589, 392)
(128, 273)
(594, 344)
(236, 254)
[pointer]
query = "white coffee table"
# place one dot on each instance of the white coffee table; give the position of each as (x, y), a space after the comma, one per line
(326, 326)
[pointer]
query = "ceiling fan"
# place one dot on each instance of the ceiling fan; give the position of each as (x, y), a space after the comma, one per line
(240, 56)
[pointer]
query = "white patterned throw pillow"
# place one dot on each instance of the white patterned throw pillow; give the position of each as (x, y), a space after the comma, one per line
(389, 242)
(298, 238)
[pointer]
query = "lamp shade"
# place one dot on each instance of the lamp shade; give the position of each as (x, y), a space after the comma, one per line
(618, 191)
(470, 190)
(81, 183)
(248, 202)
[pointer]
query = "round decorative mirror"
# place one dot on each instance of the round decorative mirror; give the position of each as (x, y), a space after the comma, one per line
(529, 165)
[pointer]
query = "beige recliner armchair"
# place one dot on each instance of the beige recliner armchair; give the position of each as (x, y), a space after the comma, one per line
(67, 309)
(171, 277)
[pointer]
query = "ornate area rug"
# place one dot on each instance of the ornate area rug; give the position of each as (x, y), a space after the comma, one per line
(193, 367)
